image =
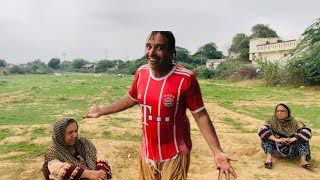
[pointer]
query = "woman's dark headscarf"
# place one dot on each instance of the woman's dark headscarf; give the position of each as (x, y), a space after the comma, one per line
(285, 127)
(59, 149)
(286, 107)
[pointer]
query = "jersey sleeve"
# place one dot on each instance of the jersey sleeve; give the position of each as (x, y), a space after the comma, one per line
(133, 91)
(194, 99)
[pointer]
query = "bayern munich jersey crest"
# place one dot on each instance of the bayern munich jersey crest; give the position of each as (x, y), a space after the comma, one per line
(168, 100)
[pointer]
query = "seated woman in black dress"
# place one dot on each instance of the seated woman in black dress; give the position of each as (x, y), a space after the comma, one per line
(283, 136)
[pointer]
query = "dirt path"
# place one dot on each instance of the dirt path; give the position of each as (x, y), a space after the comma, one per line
(240, 141)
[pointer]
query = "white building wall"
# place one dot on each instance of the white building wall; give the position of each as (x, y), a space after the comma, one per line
(271, 49)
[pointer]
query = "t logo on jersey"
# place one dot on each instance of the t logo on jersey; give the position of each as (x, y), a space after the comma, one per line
(168, 100)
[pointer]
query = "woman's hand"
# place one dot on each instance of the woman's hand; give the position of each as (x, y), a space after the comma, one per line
(98, 175)
(291, 140)
(94, 174)
(281, 140)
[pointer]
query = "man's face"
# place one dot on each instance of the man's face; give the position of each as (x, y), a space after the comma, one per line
(157, 53)
(71, 134)
(281, 113)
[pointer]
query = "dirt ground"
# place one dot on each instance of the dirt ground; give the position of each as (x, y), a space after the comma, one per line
(123, 155)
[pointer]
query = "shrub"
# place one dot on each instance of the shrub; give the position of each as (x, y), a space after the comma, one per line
(244, 72)
(186, 65)
(226, 68)
(15, 69)
(204, 72)
(271, 71)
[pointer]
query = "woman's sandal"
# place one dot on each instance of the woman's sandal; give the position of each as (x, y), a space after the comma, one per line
(308, 166)
(268, 165)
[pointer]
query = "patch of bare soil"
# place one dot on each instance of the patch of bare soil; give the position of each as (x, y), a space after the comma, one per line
(4, 99)
(249, 82)
(124, 155)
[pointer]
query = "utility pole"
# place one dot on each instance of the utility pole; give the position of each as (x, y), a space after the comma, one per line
(64, 55)
(106, 53)
(201, 56)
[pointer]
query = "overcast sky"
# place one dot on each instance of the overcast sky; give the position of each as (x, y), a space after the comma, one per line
(117, 29)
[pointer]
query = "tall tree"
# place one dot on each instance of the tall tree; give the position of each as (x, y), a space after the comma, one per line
(103, 65)
(37, 66)
(66, 66)
(306, 56)
(78, 63)
(54, 63)
(262, 31)
(240, 45)
(209, 51)
(3, 63)
(182, 55)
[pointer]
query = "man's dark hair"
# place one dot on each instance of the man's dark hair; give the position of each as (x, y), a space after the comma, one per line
(168, 35)
(171, 41)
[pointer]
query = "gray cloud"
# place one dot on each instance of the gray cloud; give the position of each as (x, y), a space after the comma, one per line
(33, 29)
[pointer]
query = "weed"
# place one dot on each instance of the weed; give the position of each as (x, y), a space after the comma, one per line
(39, 132)
(31, 150)
(124, 137)
(4, 133)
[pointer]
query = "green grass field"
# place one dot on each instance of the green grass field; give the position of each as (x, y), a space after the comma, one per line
(30, 104)
(41, 99)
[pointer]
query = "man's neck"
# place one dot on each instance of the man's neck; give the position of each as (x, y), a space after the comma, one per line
(162, 71)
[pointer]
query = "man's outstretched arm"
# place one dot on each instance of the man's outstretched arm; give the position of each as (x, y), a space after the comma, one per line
(122, 104)
(208, 131)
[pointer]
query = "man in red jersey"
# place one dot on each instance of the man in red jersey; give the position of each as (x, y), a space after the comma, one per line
(164, 91)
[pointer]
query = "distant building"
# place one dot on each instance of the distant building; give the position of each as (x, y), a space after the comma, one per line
(234, 56)
(213, 63)
(89, 66)
(271, 49)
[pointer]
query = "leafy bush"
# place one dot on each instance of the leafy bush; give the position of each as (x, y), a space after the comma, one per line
(134, 65)
(15, 69)
(204, 72)
(186, 65)
(226, 68)
(103, 65)
(271, 71)
(243, 72)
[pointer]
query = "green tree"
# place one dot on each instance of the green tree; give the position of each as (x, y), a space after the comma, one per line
(3, 63)
(305, 63)
(240, 45)
(78, 63)
(54, 63)
(66, 66)
(209, 51)
(182, 55)
(197, 59)
(134, 65)
(37, 66)
(103, 65)
(15, 69)
(262, 31)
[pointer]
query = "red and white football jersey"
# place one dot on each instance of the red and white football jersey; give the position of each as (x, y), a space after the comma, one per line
(163, 103)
